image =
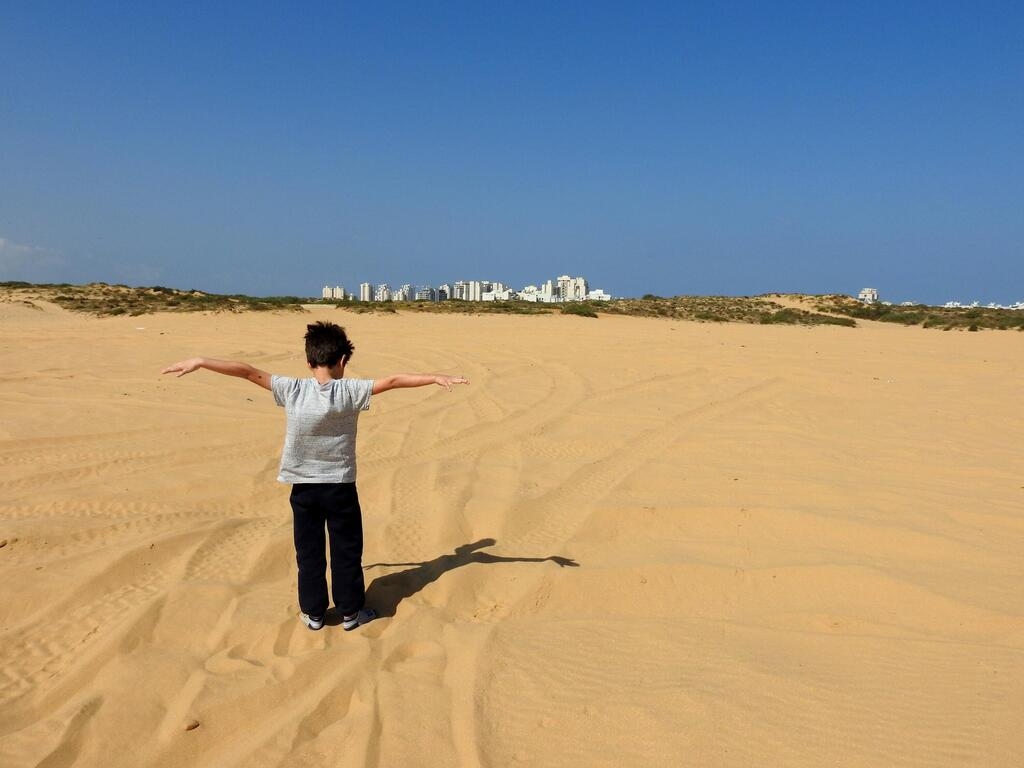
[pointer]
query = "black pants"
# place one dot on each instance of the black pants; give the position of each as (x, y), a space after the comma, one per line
(336, 506)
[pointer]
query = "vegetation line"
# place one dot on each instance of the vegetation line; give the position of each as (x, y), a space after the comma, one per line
(103, 300)
(944, 318)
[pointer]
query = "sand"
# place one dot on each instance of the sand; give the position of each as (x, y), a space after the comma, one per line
(629, 542)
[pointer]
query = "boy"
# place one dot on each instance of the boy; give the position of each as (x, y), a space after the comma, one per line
(319, 460)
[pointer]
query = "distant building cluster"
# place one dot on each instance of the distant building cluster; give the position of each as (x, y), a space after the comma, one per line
(563, 288)
(870, 296)
(990, 305)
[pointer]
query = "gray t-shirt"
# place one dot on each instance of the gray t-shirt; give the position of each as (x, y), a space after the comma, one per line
(320, 438)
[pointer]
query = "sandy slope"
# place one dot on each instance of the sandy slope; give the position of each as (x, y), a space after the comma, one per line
(796, 547)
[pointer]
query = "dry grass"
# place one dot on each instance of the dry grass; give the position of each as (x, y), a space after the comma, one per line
(721, 309)
(103, 300)
(947, 319)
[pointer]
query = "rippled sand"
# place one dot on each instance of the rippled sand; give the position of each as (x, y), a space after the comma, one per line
(629, 542)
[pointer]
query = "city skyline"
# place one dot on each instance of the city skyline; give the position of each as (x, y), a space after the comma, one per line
(369, 291)
(560, 289)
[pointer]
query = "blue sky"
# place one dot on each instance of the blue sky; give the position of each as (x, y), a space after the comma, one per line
(670, 148)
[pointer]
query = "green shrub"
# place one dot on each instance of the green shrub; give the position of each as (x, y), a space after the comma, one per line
(781, 316)
(846, 322)
(579, 309)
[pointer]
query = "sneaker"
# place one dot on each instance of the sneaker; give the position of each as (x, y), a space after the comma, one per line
(364, 616)
(313, 622)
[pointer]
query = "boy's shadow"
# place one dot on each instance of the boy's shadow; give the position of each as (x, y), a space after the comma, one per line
(386, 592)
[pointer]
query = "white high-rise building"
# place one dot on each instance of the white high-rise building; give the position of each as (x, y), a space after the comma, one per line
(578, 289)
(365, 292)
(338, 292)
(561, 286)
(868, 295)
(425, 293)
(444, 292)
(327, 292)
(571, 288)
(474, 290)
(382, 293)
(460, 290)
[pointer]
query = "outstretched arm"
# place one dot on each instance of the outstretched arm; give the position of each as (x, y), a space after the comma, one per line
(405, 380)
(227, 367)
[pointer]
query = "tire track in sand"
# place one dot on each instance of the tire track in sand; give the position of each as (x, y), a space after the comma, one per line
(550, 519)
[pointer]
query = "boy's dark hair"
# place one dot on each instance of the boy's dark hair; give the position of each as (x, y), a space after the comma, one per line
(326, 344)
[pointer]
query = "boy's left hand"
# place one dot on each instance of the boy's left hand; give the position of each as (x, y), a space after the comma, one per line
(185, 366)
(447, 381)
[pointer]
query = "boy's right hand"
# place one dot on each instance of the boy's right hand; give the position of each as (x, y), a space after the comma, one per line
(185, 366)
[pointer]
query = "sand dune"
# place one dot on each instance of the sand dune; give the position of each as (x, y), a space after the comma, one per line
(630, 542)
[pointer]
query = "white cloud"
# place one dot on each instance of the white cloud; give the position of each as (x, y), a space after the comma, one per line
(33, 263)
